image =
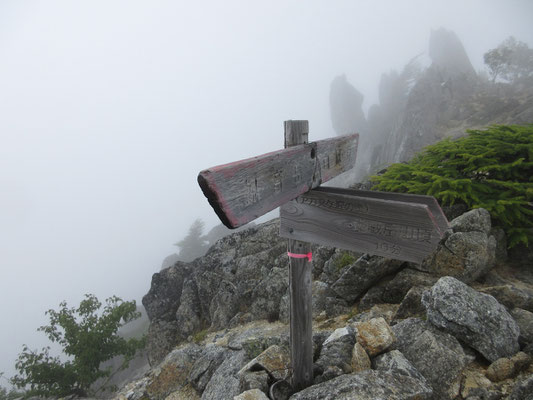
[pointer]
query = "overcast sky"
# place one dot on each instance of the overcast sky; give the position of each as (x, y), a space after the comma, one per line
(109, 109)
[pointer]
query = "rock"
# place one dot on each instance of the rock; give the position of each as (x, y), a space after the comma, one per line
(501, 243)
(345, 102)
(473, 380)
(396, 363)
(267, 294)
(162, 300)
(360, 359)
(524, 319)
(367, 385)
(422, 344)
(477, 220)
(254, 380)
(161, 339)
(275, 360)
(397, 288)
(523, 389)
(189, 312)
(335, 266)
(224, 305)
(506, 368)
(205, 366)
(325, 300)
(475, 318)
(464, 255)
(511, 296)
(172, 373)
(224, 383)
(385, 311)
(321, 254)
(375, 336)
(411, 305)
(362, 275)
(373, 296)
(253, 394)
(447, 52)
(502, 368)
(337, 351)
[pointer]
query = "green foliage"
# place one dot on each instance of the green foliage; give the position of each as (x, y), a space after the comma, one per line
(344, 260)
(199, 336)
(491, 168)
(88, 337)
(511, 61)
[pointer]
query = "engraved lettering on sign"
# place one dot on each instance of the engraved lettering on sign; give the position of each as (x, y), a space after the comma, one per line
(415, 234)
(251, 194)
(278, 181)
(333, 204)
(388, 248)
(338, 156)
(325, 162)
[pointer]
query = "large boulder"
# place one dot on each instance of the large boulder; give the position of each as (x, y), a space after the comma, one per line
(475, 318)
(361, 275)
(367, 385)
(469, 252)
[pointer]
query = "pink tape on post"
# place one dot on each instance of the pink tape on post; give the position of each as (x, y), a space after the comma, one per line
(309, 256)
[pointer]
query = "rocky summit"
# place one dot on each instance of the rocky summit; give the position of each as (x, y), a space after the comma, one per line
(457, 326)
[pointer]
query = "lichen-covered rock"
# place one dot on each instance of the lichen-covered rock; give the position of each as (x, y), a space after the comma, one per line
(360, 359)
(411, 305)
(523, 389)
(254, 380)
(275, 360)
(524, 319)
(469, 252)
(397, 288)
(475, 318)
(206, 365)
(395, 362)
(337, 350)
(422, 344)
(505, 368)
(162, 338)
(188, 315)
(511, 296)
(374, 335)
(253, 394)
(367, 385)
(361, 275)
(224, 384)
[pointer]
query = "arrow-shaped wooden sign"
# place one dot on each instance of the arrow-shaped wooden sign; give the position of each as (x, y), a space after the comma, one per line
(404, 227)
(244, 190)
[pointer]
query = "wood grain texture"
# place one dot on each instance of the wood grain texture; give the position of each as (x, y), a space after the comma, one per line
(348, 219)
(242, 191)
(300, 289)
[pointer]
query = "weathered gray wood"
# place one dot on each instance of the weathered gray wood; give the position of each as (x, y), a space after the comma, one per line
(300, 289)
(440, 219)
(242, 191)
(395, 229)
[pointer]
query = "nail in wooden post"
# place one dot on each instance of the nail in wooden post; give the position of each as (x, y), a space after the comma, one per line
(300, 269)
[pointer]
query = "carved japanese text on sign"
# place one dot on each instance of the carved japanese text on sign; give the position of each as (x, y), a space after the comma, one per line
(395, 229)
(242, 191)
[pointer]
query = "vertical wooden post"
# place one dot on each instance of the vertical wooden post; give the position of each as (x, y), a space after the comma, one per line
(300, 285)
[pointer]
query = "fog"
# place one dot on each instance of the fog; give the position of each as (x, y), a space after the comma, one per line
(109, 109)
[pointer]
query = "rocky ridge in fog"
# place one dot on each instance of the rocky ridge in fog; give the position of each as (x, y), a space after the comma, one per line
(457, 326)
(420, 106)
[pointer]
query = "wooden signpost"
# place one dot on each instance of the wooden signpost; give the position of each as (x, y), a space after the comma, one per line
(401, 226)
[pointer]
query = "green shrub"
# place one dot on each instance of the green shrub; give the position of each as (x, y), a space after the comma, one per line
(491, 168)
(199, 336)
(344, 260)
(88, 336)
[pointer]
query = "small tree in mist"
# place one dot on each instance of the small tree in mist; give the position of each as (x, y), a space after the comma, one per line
(511, 61)
(195, 244)
(88, 336)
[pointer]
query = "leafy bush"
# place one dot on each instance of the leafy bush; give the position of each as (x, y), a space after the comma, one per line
(88, 337)
(491, 168)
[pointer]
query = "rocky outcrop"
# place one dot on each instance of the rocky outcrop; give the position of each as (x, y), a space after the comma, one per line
(345, 103)
(382, 327)
(478, 319)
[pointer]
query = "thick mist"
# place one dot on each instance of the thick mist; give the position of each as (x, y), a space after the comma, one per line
(110, 109)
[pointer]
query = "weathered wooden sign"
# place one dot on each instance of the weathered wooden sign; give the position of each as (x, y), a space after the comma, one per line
(242, 191)
(403, 227)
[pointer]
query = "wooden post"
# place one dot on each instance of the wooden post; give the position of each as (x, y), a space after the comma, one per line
(300, 269)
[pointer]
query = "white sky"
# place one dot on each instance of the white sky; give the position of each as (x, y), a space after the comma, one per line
(109, 109)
